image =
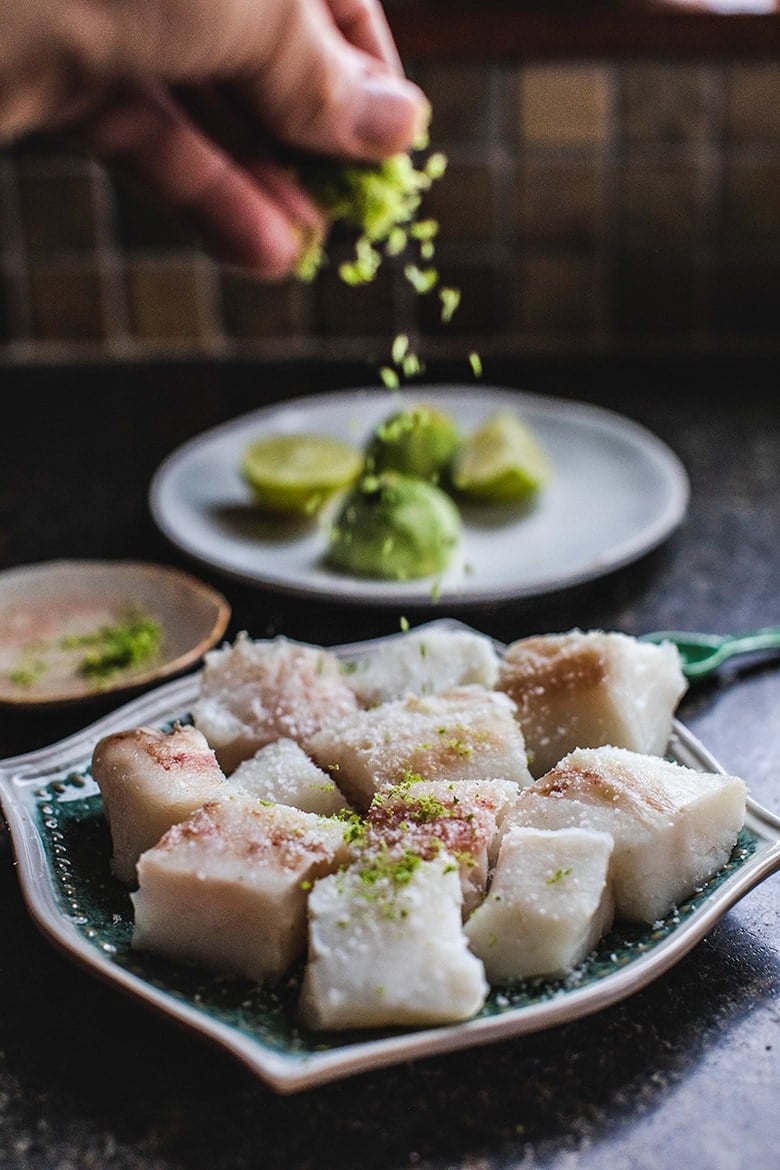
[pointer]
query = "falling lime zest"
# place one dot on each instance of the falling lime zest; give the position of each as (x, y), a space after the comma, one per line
(389, 377)
(436, 165)
(422, 280)
(397, 242)
(379, 201)
(450, 299)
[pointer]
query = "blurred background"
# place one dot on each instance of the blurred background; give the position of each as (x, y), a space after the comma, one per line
(613, 186)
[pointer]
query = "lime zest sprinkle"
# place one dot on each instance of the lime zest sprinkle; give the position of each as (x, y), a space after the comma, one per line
(450, 300)
(377, 200)
(405, 360)
(424, 230)
(389, 377)
(412, 366)
(422, 280)
(400, 348)
(435, 165)
(28, 673)
(383, 865)
(380, 202)
(396, 242)
(132, 640)
(365, 265)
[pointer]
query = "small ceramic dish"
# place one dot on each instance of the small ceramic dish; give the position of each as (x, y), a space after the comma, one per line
(62, 621)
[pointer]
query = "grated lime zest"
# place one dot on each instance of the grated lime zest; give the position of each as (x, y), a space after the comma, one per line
(389, 377)
(376, 200)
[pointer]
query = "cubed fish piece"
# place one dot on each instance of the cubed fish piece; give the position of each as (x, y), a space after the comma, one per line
(589, 689)
(673, 826)
(387, 947)
(149, 780)
(282, 773)
(548, 905)
(227, 889)
(468, 733)
(461, 817)
(424, 662)
(256, 691)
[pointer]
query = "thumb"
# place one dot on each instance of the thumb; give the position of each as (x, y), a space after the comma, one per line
(319, 91)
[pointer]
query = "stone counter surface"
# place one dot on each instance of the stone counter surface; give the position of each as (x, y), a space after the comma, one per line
(685, 1073)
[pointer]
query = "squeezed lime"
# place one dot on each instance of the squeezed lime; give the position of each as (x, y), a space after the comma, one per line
(502, 461)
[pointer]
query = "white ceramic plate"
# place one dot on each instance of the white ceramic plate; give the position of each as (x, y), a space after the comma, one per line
(62, 847)
(616, 493)
(47, 610)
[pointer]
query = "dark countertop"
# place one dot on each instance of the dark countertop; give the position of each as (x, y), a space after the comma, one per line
(684, 1073)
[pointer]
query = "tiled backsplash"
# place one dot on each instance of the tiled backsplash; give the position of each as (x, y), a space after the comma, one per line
(587, 206)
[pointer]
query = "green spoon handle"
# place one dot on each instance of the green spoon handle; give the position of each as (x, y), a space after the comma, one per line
(701, 654)
(728, 647)
(766, 639)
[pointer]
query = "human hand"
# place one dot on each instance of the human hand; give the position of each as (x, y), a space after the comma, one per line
(195, 99)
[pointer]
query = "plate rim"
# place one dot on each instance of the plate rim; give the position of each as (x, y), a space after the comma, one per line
(433, 592)
(22, 775)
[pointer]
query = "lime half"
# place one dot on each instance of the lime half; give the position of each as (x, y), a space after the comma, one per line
(502, 461)
(299, 472)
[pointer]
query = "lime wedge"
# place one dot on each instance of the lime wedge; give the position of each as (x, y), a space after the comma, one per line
(299, 472)
(502, 461)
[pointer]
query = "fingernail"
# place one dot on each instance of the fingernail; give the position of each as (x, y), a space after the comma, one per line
(393, 114)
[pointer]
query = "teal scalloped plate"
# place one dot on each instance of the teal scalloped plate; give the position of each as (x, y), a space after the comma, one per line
(62, 846)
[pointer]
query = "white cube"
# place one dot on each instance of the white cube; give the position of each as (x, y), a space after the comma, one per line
(548, 905)
(150, 780)
(469, 733)
(423, 662)
(461, 817)
(591, 688)
(673, 826)
(387, 948)
(282, 773)
(258, 690)
(227, 889)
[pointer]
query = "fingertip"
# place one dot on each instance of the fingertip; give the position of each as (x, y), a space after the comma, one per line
(256, 239)
(392, 114)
